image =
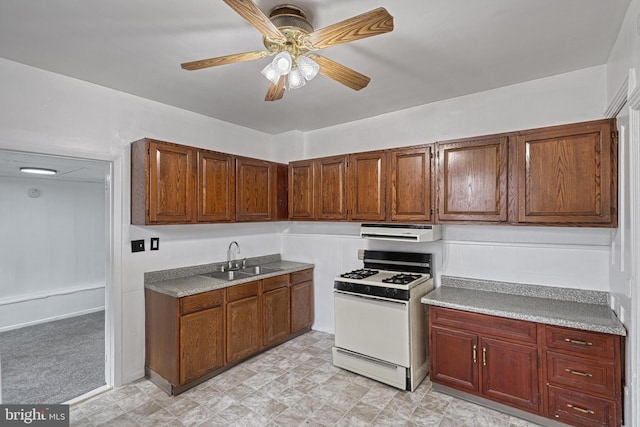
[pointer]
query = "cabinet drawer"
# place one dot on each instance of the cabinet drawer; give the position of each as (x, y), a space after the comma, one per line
(302, 276)
(581, 410)
(242, 291)
(519, 330)
(584, 343)
(271, 283)
(594, 376)
(202, 301)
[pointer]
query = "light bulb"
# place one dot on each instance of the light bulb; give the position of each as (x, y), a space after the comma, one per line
(282, 63)
(308, 67)
(296, 79)
(270, 73)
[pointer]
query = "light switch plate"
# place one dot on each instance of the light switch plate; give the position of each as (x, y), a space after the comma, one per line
(155, 244)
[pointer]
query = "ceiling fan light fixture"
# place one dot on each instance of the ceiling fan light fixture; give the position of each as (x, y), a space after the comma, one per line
(282, 63)
(308, 67)
(296, 80)
(270, 73)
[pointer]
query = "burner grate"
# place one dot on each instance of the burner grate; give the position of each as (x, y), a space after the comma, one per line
(401, 279)
(363, 273)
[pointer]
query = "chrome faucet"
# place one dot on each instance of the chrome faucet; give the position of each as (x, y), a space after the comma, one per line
(229, 264)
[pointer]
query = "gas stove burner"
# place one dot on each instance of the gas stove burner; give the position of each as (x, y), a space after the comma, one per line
(401, 279)
(363, 273)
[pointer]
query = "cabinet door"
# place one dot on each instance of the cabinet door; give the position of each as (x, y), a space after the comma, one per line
(367, 183)
(410, 184)
(171, 183)
(201, 343)
(510, 373)
(454, 358)
(301, 306)
(216, 187)
(472, 180)
(276, 315)
(301, 189)
(564, 175)
(255, 190)
(330, 188)
(243, 328)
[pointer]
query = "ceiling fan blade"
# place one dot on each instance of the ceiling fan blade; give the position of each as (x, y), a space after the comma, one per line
(224, 60)
(340, 73)
(276, 91)
(254, 16)
(372, 23)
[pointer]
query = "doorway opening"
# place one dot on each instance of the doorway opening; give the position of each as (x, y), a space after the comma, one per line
(54, 262)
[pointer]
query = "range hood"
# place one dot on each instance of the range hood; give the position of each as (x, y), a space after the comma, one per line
(401, 232)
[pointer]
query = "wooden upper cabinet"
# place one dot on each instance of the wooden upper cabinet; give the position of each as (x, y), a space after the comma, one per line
(566, 175)
(255, 189)
(301, 189)
(162, 182)
(330, 188)
(472, 180)
(367, 186)
(216, 187)
(410, 176)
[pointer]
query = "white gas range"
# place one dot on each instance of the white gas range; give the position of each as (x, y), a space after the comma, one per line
(379, 321)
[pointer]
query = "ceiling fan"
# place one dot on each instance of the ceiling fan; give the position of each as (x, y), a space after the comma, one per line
(292, 41)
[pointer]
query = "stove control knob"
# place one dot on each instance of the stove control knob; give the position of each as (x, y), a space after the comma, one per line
(367, 289)
(391, 291)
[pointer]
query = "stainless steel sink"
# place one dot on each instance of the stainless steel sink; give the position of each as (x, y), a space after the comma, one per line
(258, 269)
(227, 275)
(242, 273)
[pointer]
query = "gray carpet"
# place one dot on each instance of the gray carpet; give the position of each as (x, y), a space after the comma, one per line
(53, 362)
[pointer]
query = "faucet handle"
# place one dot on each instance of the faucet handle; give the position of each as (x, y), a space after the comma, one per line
(244, 263)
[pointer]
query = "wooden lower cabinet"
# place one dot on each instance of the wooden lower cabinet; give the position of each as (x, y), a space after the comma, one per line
(301, 300)
(486, 363)
(275, 308)
(201, 343)
(565, 374)
(192, 338)
(244, 321)
(583, 372)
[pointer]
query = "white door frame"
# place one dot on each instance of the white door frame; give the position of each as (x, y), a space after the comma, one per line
(633, 100)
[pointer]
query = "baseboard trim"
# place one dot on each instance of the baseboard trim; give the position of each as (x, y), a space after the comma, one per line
(53, 318)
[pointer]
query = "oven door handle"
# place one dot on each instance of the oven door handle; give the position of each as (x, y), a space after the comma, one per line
(370, 297)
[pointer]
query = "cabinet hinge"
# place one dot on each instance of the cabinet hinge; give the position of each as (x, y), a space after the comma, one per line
(614, 134)
(539, 399)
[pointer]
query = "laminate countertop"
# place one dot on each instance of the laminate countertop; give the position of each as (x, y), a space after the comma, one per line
(571, 308)
(182, 282)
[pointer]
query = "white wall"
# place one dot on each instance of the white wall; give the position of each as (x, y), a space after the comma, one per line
(566, 98)
(52, 256)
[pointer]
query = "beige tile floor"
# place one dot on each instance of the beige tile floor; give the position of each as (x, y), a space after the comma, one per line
(290, 385)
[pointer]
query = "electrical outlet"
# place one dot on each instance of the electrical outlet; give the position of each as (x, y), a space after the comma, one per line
(154, 244)
(137, 246)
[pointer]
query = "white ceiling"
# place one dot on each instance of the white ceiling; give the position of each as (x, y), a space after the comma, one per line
(439, 49)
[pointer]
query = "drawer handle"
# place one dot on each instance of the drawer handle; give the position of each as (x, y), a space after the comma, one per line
(582, 374)
(475, 353)
(579, 409)
(585, 343)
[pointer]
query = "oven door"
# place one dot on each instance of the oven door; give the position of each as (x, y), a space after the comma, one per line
(371, 326)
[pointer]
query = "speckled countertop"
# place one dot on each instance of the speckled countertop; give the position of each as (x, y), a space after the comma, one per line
(181, 282)
(572, 308)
